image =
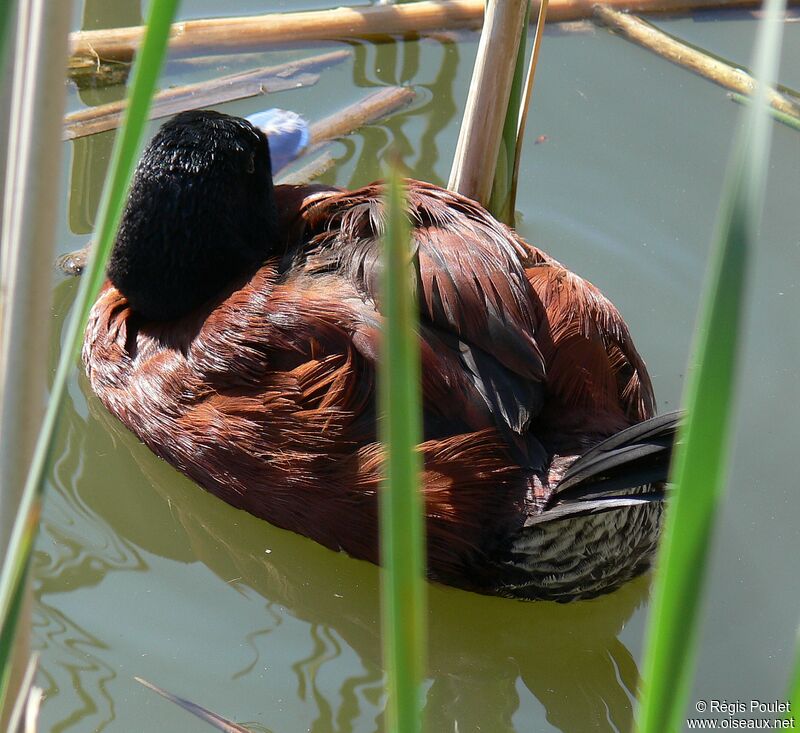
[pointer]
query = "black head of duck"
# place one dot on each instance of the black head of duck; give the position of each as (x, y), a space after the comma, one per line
(172, 253)
(238, 337)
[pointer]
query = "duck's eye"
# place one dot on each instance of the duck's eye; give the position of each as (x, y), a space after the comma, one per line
(251, 163)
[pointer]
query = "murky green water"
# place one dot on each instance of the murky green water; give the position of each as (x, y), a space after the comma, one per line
(139, 572)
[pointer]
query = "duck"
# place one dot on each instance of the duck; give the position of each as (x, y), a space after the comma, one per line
(238, 336)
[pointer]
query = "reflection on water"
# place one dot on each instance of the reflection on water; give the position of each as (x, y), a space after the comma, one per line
(392, 64)
(79, 672)
(567, 656)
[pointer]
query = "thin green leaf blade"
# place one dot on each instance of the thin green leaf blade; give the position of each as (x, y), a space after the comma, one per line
(6, 11)
(401, 511)
(793, 697)
(11, 614)
(501, 205)
(126, 149)
(699, 468)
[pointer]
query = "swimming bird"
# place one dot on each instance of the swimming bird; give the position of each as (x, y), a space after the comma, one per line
(238, 336)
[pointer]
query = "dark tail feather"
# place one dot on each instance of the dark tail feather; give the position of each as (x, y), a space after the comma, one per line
(582, 507)
(603, 478)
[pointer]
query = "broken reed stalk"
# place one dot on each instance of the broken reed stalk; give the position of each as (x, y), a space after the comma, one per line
(526, 98)
(88, 73)
(266, 80)
(478, 143)
(641, 32)
(235, 34)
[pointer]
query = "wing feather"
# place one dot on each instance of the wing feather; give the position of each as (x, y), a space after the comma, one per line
(470, 277)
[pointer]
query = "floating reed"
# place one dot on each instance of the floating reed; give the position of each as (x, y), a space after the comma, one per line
(235, 34)
(641, 32)
(363, 112)
(91, 73)
(245, 84)
(478, 143)
(311, 170)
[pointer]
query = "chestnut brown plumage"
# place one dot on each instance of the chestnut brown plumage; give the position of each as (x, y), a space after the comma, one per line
(543, 463)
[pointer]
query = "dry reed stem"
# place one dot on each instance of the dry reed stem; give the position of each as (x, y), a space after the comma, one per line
(478, 144)
(35, 700)
(311, 170)
(25, 711)
(215, 91)
(27, 231)
(638, 31)
(92, 73)
(234, 34)
(360, 113)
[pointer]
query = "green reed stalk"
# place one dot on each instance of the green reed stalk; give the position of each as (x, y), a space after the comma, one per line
(500, 203)
(782, 117)
(699, 468)
(401, 511)
(525, 104)
(126, 150)
(794, 684)
(5, 14)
